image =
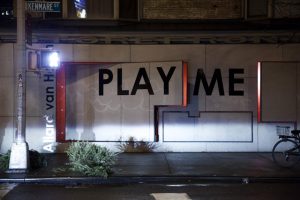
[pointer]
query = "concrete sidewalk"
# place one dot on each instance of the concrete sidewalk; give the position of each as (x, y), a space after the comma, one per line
(168, 167)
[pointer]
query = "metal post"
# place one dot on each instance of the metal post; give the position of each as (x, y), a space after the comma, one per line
(19, 151)
(116, 9)
(270, 8)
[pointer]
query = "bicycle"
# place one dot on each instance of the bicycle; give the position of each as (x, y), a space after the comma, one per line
(286, 152)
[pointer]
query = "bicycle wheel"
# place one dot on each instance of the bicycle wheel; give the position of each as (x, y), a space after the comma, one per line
(285, 153)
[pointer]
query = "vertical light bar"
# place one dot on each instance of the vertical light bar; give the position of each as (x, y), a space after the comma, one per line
(61, 103)
(259, 92)
(185, 84)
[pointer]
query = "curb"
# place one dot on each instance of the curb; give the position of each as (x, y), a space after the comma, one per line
(150, 180)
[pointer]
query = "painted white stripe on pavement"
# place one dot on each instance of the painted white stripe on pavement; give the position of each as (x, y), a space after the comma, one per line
(5, 188)
(171, 196)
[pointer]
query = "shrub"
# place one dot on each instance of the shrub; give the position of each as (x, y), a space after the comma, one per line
(36, 160)
(4, 161)
(90, 159)
(133, 146)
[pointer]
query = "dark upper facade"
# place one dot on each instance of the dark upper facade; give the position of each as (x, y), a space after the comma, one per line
(164, 22)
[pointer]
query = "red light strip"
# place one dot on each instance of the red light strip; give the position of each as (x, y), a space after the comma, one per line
(185, 84)
(259, 92)
(60, 103)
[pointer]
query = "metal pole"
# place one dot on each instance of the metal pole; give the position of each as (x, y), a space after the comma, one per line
(19, 151)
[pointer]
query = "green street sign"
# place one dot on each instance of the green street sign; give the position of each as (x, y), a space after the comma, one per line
(43, 6)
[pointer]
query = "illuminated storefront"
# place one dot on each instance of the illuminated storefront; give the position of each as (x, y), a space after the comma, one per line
(188, 92)
(221, 109)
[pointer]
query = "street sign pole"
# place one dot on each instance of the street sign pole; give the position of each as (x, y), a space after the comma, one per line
(19, 159)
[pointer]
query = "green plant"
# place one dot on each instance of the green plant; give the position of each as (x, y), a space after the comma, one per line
(59, 170)
(90, 159)
(4, 161)
(134, 146)
(36, 160)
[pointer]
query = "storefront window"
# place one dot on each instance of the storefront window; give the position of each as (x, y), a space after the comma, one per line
(128, 9)
(90, 9)
(80, 8)
(6, 8)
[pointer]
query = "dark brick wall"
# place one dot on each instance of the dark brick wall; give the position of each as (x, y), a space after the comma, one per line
(192, 9)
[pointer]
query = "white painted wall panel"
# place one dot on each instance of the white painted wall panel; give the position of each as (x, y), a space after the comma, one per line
(135, 108)
(90, 117)
(111, 53)
(174, 98)
(101, 53)
(225, 127)
(193, 54)
(6, 133)
(175, 84)
(108, 109)
(240, 56)
(208, 127)
(81, 53)
(215, 102)
(290, 52)
(178, 127)
(6, 60)
(113, 117)
(6, 96)
(268, 135)
(34, 97)
(278, 92)
(65, 51)
(35, 132)
(196, 102)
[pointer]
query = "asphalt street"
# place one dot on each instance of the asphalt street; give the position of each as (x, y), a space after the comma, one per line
(199, 191)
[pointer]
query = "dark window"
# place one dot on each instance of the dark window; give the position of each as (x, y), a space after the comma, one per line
(128, 9)
(6, 8)
(257, 8)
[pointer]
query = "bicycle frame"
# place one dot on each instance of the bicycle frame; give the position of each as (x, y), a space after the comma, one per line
(290, 151)
(286, 151)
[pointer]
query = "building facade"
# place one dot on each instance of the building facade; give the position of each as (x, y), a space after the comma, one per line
(195, 76)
